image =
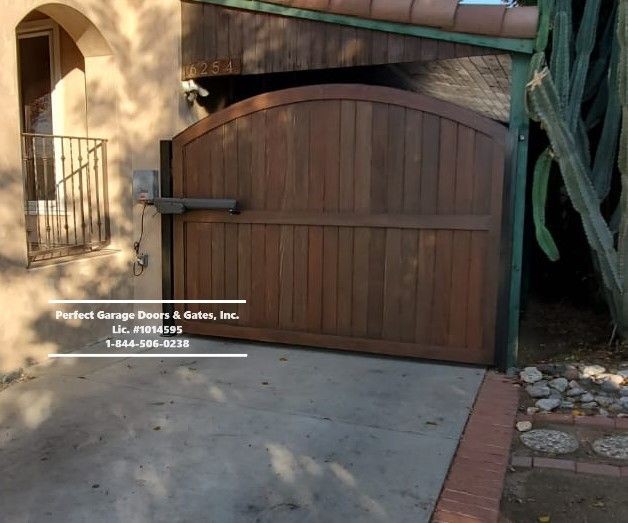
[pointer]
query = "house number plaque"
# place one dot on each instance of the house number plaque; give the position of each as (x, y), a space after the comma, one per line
(220, 67)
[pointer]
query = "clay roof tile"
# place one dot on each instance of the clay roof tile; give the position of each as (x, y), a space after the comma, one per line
(435, 13)
(391, 10)
(491, 20)
(479, 19)
(520, 22)
(359, 8)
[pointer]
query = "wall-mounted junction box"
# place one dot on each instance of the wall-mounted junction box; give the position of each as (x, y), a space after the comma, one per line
(145, 185)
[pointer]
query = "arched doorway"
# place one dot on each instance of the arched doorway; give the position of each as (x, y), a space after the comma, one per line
(64, 159)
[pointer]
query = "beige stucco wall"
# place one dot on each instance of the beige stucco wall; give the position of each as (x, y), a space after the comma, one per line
(133, 99)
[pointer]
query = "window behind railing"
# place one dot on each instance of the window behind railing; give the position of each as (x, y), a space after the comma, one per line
(65, 192)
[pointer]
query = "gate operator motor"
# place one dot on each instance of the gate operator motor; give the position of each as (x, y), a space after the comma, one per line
(145, 186)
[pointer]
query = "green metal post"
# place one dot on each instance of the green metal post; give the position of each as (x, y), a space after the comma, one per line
(518, 135)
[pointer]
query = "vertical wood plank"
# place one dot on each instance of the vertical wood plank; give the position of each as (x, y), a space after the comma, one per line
(218, 261)
(244, 272)
(258, 274)
(430, 151)
(330, 280)
(302, 157)
(465, 172)
(216, 163)
(272, 276)
(258, 160)
(230, 166)
(413, 161)
(363, 151)
(345, 280)
(425, 285)
(244, 161)
(482, 174)
(379, 160)
(315, 279)
(392, 285)
(330, 117)
(359, 311)
(286, 276)
(316, 182)
(475, 305)
(235, 33)
(375, 315)
(409, 271)
(300, 305)
(231, 266)
(192, 32)
(275, 169)
(347, 155)
(395, 165)
(461, 264)
(210, 17)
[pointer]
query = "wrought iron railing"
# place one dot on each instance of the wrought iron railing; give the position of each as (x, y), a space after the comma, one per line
(65, 195)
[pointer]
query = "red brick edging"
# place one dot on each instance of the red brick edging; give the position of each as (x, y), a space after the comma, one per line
(579, 467)
(473, 488)
(568, 419)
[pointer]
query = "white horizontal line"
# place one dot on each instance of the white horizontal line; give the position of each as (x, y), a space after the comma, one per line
(143, 355)
(145, 301)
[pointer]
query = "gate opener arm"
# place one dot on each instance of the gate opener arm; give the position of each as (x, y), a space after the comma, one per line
(182, 205)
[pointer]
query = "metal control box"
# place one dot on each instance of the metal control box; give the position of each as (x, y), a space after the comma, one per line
(145, 185)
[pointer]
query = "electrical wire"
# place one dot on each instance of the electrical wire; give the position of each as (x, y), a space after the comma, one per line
(138, 268)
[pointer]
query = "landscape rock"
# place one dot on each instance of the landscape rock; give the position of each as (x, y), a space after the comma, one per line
(548, 404)
(531, 410)
(592, 370)
(590, 405)
(571, 373)
(538, 391)
(585, 382)
(615, 447)
(604, 401)
(567, 404)
(575, 391)
(623, 391)
(609, 386)
(615, 378)
(624, 402)
(586, 398)
(551, 441)
(559, 384)
(524, 426)
(623, 373)
(530, 375)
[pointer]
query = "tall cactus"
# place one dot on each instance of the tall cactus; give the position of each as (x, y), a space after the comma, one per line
(555, 98)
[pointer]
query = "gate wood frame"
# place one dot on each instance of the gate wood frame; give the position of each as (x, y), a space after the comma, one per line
(516, 157)
(490, 223)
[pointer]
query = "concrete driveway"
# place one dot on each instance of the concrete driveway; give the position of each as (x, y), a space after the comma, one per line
(286, 435)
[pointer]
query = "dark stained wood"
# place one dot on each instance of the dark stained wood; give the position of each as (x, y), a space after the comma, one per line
(370, 221)
(265, 43)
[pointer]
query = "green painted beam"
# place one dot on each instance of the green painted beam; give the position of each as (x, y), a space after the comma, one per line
(518, 45)
(518, 130)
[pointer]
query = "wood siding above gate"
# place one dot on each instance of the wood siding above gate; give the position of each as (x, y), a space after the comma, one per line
(370, 221)
(265, 43)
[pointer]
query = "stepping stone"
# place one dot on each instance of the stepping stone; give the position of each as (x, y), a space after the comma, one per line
(615, 447)
(550, 441)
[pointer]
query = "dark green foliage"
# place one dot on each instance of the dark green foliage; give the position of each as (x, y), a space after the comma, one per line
(591, 73)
